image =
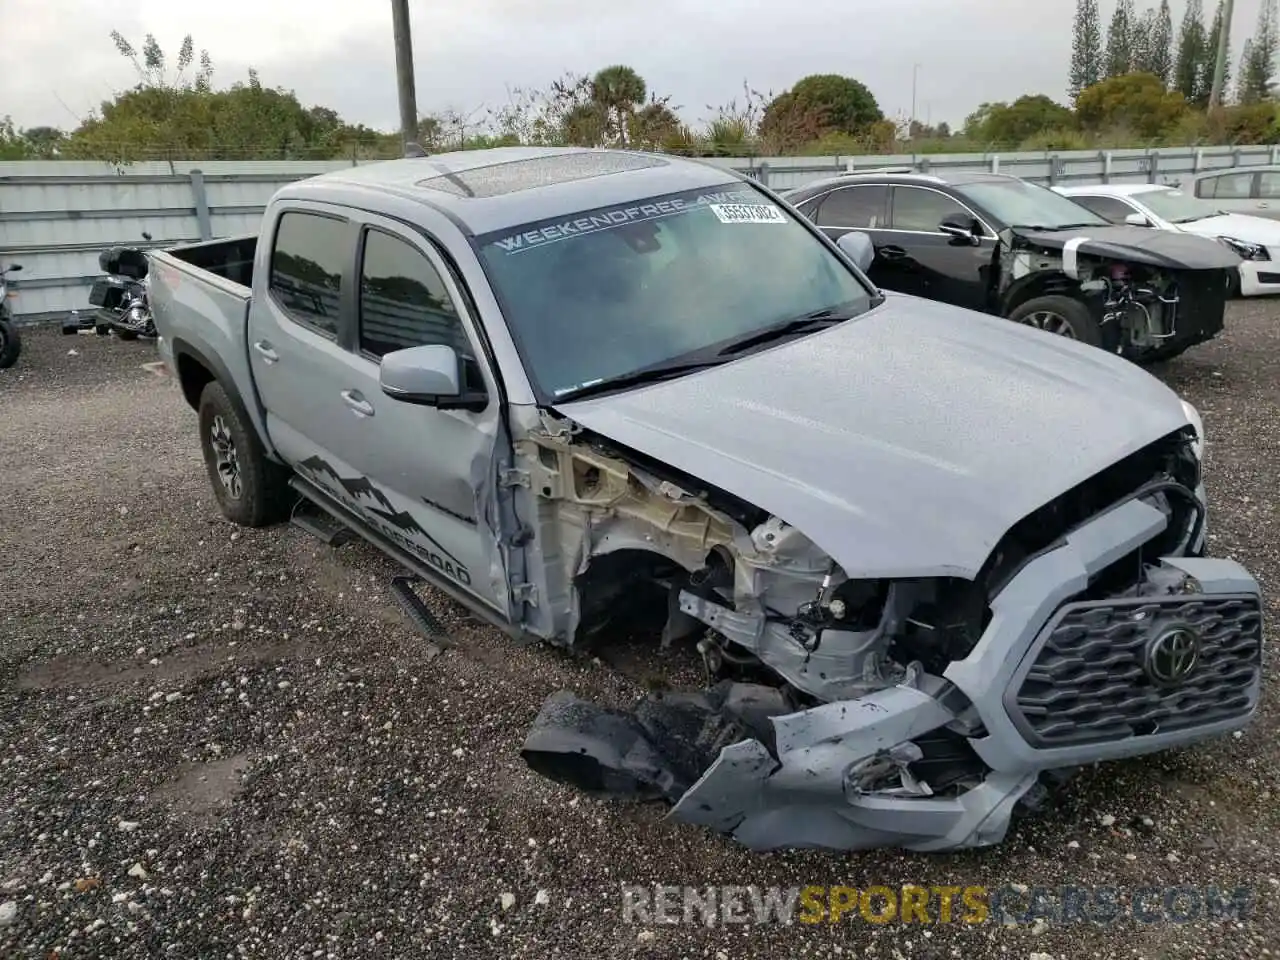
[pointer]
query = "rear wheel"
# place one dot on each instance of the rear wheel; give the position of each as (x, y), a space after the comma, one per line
(1062, 316)
(10, 343)
(251, 490)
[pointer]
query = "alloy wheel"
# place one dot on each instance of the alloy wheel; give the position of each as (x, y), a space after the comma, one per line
(226, 460)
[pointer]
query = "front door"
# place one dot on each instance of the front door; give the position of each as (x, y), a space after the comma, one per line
(341, 294)
(425, 478)
(939, 266)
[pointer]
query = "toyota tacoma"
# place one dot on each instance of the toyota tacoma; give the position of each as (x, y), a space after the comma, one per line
(931, 560)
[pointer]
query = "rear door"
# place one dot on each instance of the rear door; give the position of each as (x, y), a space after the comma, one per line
(294, 351)
(862, 207)
(931, 263)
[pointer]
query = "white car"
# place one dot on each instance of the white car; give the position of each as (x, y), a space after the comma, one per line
(1255, 239)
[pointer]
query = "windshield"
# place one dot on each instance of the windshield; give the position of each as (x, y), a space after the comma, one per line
(1017, 203)
(603, 293)
(1176, 206)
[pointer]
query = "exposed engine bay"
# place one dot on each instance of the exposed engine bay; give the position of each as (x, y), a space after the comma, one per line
(916, 712)
(1147, 304)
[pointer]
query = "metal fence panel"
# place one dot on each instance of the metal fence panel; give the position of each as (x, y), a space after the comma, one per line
(55, 216)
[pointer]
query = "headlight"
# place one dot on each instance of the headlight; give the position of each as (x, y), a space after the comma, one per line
(1193, 415)
(1247, 250)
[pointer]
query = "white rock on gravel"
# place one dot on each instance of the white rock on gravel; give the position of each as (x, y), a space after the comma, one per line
(8, 912)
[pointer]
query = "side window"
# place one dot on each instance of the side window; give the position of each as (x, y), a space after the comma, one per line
(405, 303)
(809, 207)
(1108, 208)
(1269, 185)
(861, 206)
(922, 210)
(306, 269)
(1229, 186)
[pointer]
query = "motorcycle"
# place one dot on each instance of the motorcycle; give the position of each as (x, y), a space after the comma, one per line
(120, 297)
(10, 342)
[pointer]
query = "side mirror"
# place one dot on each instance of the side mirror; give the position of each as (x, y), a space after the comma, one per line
(858, 248)
(430, 376)
(962, 228)
(1137, 220)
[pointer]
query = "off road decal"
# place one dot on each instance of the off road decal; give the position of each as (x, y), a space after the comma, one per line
(399, 526)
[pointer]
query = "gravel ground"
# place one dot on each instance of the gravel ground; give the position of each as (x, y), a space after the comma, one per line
(221, 742)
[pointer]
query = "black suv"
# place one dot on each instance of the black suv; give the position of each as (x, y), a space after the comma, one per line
(1002, 245)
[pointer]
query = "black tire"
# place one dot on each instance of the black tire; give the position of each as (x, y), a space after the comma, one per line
(10, 343)
(1062, 316)
(256, 490)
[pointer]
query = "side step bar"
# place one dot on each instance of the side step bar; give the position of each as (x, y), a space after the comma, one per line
(419, 613)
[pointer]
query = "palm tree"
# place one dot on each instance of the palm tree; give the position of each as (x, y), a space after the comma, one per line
(618, 90)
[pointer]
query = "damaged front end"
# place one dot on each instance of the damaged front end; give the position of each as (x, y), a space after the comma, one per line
(916, 713)
(1151, 293)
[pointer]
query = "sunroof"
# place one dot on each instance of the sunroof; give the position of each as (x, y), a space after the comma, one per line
(497, 179)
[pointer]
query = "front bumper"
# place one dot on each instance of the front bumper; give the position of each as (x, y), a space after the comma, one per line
(1259, 278)
(803, 792)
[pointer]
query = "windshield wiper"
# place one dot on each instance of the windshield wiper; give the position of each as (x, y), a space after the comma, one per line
(1055, 227)
(810, 321)
(700, 361)
(638, 378)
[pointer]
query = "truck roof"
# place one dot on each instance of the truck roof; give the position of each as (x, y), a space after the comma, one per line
(485, 190)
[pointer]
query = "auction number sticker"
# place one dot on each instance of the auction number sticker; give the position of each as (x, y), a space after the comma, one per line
(748, 213)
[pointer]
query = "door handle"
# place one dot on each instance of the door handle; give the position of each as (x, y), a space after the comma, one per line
(264, 348)
(892, 253)
(358, 404)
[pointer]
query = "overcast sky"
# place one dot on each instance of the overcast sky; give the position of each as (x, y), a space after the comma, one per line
(60, 62)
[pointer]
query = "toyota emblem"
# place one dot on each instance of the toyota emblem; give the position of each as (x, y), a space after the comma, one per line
(1173, 655)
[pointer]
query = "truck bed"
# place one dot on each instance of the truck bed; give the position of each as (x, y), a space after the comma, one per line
(231, 258)
(200, 296)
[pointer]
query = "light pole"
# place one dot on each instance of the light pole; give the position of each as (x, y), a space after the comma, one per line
(404, 72)
(915, 70)
(1220, 55)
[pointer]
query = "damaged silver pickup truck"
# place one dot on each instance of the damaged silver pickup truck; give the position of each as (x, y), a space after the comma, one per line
(932, 560)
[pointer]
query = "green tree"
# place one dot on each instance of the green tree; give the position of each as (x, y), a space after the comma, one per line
(1135, 102)
(1242, 78)
(1160, 47)
(1258, 64)
(618, 91)
(1193, 51)
(845, 105)
(151, 63)
(1121, 33)
(1007, 124)
(1086, 47)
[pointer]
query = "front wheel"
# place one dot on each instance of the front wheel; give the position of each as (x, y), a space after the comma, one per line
(251, 490)
(10, 343)
(1063, 316)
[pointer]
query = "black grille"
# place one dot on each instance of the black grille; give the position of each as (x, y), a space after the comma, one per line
(1087, 681)
(98, 293)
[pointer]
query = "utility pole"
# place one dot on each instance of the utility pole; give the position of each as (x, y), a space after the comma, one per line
(404, 72)
(915, 69)
(1220, 62)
